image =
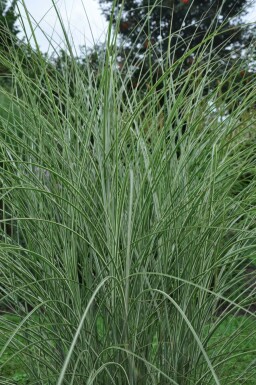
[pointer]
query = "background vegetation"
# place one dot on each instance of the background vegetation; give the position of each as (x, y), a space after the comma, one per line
(150, 29)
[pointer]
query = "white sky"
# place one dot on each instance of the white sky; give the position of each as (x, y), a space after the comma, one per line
(82, 17)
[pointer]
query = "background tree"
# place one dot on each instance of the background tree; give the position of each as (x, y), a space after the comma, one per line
(188, 21)
(8, 34)
(8, 18)
(8, 31)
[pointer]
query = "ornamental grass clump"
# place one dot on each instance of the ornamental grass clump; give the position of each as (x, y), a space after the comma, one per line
(127, 221)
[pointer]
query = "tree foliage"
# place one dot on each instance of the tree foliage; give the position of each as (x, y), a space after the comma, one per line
(145, 24)
(8, 33)
(8, 18)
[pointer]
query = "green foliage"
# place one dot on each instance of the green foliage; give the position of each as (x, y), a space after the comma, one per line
(143, 23)
(8, 34)
(239, 359)
(12, 368)
(239, 367)
(8, 18)
(129, 232)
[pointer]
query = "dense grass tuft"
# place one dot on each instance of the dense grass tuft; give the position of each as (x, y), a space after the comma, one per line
(128, 222)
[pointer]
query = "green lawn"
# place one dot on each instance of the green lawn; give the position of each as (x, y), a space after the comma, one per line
(244, 344)
(13, 369)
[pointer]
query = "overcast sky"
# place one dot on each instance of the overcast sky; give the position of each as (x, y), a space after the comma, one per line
(82, 17)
